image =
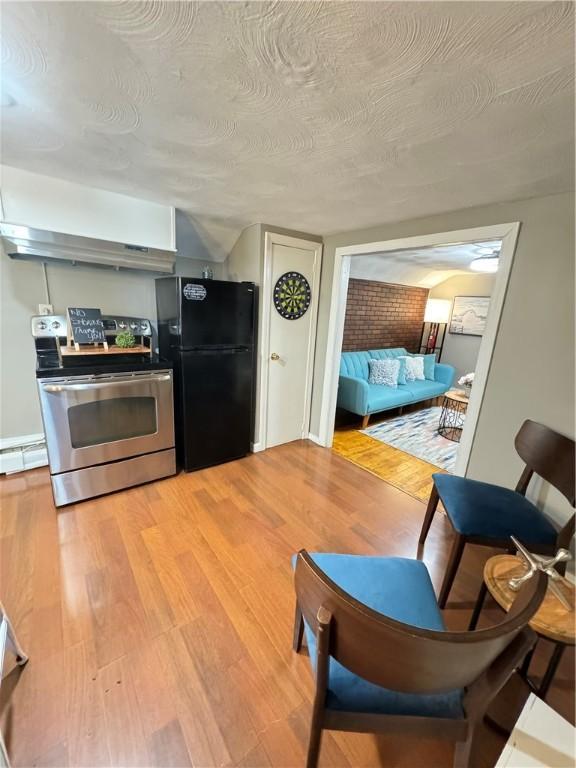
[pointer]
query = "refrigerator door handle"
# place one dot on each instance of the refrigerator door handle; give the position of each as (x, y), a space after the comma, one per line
(216, 351)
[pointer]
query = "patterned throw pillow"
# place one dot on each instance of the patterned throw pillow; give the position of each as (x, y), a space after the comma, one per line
(414, 368)
(384, 372)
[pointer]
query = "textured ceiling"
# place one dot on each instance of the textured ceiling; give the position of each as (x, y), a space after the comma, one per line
(321, 117)
(423, 267)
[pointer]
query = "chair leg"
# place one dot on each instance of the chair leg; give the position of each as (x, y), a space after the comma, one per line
(314, 740)
(298, 630)
(463, 751)
(526, 663)
(12, 640)
(453, 563)
(4, 761)
(551, 670)
(430, 510)
(478, 607)
(365, 420)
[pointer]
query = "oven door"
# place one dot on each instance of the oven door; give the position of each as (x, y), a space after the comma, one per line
(98, 419)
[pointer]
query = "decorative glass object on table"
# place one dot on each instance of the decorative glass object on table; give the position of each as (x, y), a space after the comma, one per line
(536, 563)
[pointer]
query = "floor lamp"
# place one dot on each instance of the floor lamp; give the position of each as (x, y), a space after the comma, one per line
(436, 316)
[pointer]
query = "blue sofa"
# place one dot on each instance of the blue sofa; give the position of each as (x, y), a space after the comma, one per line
(357, 396)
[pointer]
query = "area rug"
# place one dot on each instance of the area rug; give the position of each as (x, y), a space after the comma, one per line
(416, 433)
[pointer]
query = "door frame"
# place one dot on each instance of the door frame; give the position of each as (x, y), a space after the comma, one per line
(271, 239)
(508, 233)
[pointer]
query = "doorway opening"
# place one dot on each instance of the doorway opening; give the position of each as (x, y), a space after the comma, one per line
(414, 324)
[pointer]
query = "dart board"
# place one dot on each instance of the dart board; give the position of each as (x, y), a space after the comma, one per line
(292, 295)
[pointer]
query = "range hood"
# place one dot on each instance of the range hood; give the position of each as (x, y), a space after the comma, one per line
(23, 242)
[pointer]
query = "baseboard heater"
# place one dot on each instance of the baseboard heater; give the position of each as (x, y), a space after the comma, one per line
(18, 454)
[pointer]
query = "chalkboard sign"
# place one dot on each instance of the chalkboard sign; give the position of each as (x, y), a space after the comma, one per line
(85, 326)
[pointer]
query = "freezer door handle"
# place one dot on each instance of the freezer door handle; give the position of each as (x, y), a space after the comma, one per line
(221, 351)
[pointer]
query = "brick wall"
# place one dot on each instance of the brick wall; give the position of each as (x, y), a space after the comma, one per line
(382, 315)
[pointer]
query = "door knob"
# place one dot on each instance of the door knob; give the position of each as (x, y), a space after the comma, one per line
(274, 356)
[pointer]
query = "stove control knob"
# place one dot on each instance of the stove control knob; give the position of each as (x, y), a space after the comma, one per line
(41, 325)
(121, 324)
(144, 326)
(55, 325)
(134, 326)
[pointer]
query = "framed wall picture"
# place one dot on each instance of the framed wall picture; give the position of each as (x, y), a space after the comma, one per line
(469, 315)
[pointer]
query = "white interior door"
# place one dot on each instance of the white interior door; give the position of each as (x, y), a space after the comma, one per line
(290, 347)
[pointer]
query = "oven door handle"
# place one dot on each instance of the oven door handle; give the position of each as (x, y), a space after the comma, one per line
(103, 384)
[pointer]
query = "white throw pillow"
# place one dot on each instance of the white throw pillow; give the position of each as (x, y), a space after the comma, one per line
(414, 368)
(384, 372)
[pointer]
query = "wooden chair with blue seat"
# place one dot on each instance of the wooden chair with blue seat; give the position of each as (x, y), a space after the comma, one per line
(486, 514)
(383, 659)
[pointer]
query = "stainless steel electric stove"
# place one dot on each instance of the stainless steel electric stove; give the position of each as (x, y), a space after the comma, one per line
(108, 418)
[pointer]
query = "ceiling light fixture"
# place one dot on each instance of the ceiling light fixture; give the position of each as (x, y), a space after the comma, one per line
(488, 263)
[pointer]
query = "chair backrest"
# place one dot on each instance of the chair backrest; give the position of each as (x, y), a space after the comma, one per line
(548, 454)
(399, 656)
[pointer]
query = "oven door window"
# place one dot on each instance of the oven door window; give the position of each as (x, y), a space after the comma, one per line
(109, 421)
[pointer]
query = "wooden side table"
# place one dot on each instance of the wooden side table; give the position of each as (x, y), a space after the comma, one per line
(454, 407)
(552, 621)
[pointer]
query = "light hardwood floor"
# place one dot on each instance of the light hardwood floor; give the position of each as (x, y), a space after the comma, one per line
(158, 620)
(396, 467)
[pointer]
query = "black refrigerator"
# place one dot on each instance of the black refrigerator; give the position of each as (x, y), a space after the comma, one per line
(207, 329)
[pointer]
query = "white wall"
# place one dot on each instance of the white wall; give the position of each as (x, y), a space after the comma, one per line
(462, 351)
(21, 290)
(193, 242)
(186, 267)
(532, 370)
(245, 259)
(63, 206)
